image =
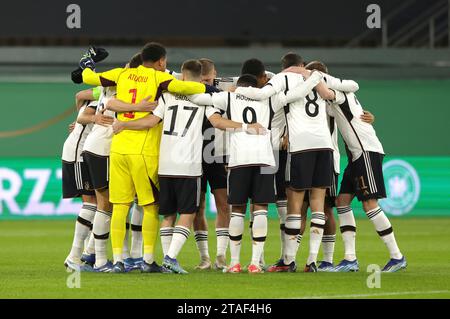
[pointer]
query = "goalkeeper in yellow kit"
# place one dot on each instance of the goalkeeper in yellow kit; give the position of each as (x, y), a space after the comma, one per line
(134, 154)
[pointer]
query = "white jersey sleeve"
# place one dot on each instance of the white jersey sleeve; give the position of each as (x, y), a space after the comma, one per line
(257, 94)
(201, 99)
(341, 85)
(177, 76)
(303, 88)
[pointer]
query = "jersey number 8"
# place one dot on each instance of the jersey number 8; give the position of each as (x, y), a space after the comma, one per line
(312, 101)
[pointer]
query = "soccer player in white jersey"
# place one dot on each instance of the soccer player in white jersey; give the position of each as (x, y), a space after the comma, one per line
(76, 181)
(215, 175)
(310, 157)
(95, 155)
(180, 162)
(329, 237)
(278, 132)
(363, 178)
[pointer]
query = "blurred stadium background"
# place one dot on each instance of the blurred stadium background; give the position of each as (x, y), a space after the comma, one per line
(403, 70)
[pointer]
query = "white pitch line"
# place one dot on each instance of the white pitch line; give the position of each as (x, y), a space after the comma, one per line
(399, 293)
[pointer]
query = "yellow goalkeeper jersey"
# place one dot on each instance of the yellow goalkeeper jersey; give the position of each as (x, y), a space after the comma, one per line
(133, 85)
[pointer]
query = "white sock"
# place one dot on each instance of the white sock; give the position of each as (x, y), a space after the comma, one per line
(179, 237)
(223, 237)
(102, 225)
(166, 234)
(89, 249)
(315, 237)
(236, 230)
(149, 258)
(88, 238)
(126, 251)
(136, 231)
(282, 213)
(328, 242)
(82, 229)
(348, 230)
(259, 235)
(292, 231)
(201, 240)
(384, 229)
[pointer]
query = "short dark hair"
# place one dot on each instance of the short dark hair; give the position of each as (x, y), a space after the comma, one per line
(254, 67)
(135, 61)
(152, 52)
(247, 80)
(291, 59)
(207, 65)
(317, 65)
(194, 67)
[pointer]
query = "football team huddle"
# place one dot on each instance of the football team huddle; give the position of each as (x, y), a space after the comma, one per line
(147, 141)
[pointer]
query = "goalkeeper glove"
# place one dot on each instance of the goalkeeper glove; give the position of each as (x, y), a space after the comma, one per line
(97, 54)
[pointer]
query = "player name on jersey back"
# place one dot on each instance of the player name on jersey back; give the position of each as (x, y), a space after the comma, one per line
(182, 139)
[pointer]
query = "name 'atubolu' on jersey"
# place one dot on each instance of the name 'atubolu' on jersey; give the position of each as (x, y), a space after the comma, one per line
(181, 139)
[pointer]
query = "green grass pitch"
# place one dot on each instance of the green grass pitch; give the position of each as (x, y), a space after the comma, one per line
(32, 255)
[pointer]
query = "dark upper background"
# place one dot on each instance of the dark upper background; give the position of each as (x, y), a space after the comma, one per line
(197, 22)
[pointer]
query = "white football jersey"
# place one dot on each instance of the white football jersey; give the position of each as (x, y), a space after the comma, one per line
(73, 145)
(222, 138)
(358, 135)
(99, 140)
(339, 84)
(306, 116)
(181, 140)
(247, 149)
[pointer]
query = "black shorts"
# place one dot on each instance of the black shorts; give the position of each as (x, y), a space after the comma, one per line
(76, 180)
(214, 174)
(98, 169)
(280, 176)
(179, 195)
(364, 177)
(248, 182)
(312, 169)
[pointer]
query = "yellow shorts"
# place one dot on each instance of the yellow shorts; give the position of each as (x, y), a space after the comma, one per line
(131, 175)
